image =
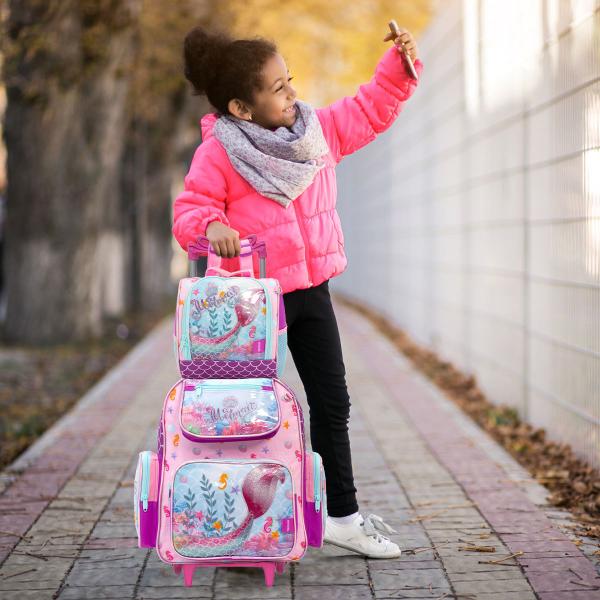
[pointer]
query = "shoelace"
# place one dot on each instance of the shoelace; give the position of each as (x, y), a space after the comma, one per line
(373, 524)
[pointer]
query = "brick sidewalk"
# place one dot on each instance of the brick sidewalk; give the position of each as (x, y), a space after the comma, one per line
(66, 520)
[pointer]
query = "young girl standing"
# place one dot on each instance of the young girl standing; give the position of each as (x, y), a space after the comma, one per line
(266, 166)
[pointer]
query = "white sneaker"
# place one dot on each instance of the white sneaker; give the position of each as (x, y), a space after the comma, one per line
(363, 536)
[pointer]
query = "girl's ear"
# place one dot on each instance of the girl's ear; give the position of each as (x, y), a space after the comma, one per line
(239, 109)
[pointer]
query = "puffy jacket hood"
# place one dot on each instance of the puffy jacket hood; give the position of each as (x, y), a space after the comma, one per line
(207, 122)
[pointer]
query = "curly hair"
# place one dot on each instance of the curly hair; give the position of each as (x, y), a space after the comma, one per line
(223, 68)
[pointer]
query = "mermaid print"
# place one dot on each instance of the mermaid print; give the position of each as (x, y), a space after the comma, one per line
(209, 520)
(225, 322)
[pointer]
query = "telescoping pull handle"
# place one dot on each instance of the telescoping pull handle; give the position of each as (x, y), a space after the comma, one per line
(201, 254)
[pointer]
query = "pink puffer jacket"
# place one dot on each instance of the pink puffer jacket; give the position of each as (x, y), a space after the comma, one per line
(304, 242)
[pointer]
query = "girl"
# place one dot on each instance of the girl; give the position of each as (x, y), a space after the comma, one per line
(266, 166)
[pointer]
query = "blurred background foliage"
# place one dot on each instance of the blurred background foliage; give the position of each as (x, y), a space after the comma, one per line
(98, 129)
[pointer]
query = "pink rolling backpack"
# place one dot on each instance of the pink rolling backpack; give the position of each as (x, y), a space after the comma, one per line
(232, 483)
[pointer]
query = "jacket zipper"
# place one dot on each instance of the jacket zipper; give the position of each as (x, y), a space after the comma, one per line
(306, 250)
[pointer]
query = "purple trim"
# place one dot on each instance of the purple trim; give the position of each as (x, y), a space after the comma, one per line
(282, 319)
(229, 438)
(313, 521)
(287, 525)
(148, 525)
(259, 346)
(241, 369)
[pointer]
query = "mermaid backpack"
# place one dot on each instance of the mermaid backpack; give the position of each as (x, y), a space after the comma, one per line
(232, 483)
(230, 324)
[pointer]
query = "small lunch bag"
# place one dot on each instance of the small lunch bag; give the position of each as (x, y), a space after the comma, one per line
(232, 483)
(230, 324)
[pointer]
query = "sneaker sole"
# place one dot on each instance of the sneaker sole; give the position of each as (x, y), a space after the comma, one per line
(341, 545)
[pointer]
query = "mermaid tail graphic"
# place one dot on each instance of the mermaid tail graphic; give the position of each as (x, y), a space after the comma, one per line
(246, 308)
(258, 489)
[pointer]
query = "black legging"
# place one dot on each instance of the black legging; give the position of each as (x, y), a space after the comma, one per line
(314, 343)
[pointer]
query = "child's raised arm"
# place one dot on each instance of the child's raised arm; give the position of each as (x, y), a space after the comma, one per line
(203, 198)
(353, 121)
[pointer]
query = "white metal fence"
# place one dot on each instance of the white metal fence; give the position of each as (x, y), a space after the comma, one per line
(474, 221)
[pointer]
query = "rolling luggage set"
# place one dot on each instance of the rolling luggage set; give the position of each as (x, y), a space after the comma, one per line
(231, 483)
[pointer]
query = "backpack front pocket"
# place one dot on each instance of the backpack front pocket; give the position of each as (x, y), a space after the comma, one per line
(229, 409)
(233, 508)
(227, 319)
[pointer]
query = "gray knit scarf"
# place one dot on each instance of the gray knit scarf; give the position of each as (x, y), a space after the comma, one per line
(279, 164)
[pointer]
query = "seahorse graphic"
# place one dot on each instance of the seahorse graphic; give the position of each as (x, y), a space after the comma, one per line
(246, 308)
(267, 525)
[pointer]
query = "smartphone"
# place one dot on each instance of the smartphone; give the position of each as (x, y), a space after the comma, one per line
(396, 31)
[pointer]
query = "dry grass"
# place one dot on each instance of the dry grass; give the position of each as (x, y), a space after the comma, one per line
(39, 385)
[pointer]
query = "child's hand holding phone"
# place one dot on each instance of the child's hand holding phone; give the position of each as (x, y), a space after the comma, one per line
(406, 44)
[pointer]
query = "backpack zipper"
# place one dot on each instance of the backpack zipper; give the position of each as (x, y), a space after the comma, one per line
(234, 386)
(145, 480)
(317, 480)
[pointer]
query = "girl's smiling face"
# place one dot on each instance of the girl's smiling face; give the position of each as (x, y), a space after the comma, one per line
(274, 104)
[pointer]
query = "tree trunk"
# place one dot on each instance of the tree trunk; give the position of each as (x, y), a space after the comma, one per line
(64, 125)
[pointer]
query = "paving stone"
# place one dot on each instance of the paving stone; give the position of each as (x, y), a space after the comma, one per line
(332, 571)
(158, 593)
(338, 592)
(96, 592)
(92, 576)
(438, 488)
(28, 594)
(422, 579)
(491, 586)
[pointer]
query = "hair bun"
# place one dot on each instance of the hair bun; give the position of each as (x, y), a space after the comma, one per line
(202, 52)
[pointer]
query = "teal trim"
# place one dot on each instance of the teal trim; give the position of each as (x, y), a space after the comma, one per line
(185, 346)
(269, 317)
(317, 480)
(145, 479)
(236, 385)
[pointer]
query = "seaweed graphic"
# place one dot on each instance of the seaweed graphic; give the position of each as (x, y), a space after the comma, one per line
(227, 318)
(190, 504)
(209, 495)
(213, 328)
(228, 515)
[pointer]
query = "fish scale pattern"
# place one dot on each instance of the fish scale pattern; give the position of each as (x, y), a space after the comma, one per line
(211, 369)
